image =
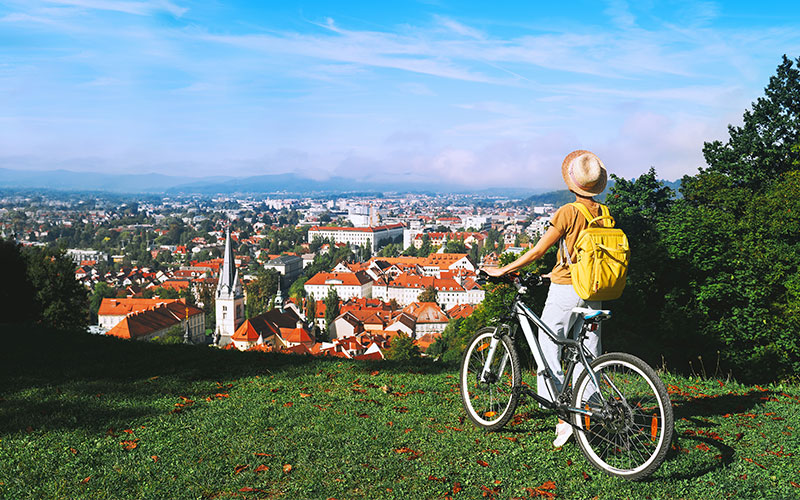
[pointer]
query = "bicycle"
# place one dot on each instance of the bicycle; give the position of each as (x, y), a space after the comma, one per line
(618, 407)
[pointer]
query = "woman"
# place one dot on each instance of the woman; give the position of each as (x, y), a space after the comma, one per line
(585, 176)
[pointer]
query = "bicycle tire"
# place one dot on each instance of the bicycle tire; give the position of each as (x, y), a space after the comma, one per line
(490, 405)
(635, 442)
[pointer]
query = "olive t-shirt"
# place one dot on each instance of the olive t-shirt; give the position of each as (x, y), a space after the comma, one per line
(570, 222)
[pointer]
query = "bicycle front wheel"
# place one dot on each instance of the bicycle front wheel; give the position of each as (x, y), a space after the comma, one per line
(490, 398)
(632, 432)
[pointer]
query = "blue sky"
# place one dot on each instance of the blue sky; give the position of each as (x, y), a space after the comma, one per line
(474, 93)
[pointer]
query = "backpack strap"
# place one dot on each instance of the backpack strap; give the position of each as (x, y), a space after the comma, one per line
(605, 215)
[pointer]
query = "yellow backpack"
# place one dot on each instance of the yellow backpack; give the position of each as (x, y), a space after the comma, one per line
(602, 255)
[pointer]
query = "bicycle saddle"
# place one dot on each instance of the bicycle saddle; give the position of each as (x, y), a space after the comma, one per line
(592, 314)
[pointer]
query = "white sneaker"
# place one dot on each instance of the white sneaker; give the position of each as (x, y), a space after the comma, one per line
(563, 433)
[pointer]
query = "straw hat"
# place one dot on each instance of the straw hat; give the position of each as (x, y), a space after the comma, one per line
(584, 173)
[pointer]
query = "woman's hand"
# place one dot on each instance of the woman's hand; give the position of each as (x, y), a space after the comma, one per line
(495, 272)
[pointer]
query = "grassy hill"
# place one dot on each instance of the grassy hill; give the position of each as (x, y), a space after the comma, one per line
(91, 417)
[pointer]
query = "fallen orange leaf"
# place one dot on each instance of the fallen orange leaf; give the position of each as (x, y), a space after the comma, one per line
(240, 468)
(154, 457)
(483, 463)
(287, 468)
(248, 489)
(261, 468)
(289, 404)
(129, 444)
(86, 479)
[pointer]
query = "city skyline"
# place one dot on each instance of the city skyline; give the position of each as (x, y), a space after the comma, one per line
(425, 91)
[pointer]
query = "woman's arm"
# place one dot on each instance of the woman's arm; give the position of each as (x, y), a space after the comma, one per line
(549, 239)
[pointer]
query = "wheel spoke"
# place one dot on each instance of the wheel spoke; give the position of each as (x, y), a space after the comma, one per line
(632, 433)
(492, 401)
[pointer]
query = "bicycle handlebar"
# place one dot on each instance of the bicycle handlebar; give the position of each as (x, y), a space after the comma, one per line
(518, 279)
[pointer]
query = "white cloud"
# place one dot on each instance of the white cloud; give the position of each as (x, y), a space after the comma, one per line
(460, 29)
(129, 7)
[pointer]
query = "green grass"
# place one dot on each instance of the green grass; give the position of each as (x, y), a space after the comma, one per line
(203, 423)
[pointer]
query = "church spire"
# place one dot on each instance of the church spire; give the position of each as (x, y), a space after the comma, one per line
(228, 275)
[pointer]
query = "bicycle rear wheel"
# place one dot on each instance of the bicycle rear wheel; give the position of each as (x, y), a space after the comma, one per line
(490, 404)
(632, 437)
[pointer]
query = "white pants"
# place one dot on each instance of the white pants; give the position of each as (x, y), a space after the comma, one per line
(557, 315)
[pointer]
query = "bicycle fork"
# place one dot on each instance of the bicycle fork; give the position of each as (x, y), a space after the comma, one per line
(486, 374)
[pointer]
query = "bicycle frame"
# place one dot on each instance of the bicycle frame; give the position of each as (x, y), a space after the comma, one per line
(525, 317)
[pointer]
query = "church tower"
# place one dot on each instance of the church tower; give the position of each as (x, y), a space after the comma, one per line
(229, 298)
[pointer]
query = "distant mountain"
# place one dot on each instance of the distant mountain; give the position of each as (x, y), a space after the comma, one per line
(564, 196)
(66, 180)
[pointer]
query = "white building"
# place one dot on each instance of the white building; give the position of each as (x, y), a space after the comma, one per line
(451, 291)
(229, 298)
(347, 285)
(373, 237)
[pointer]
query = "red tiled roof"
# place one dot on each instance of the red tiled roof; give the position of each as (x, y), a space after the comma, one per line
(298, 349)
(373, 356)
(427, 312)
(299, 335)
(148, 321)
(247, 333)
(176, 284)
(357, 229)
(123, 306)
(461, 311)
(347, 279)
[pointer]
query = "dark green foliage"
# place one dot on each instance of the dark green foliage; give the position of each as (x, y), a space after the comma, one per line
(17, 300)
(101, 291)
(60, 300)
(455, 246)
(428, 295)
(642, 324)
(261, 291)
(173, 336)
(331, 308)
(297, 290)
(402, 349)
(761, 149)
(714, 274)
(556, 198)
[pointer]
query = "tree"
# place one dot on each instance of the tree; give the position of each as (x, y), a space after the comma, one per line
(172, 336)
(365, 252)
(426, 247)
(713, 274)
(640, 207)
(758, 152)
(207, 299)
(61, 300)
(331, 309)
(455, 246)
(261, 291)
(402, 348)
(297, 290)
(17, 295)
(428, 295)
(101, 291)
